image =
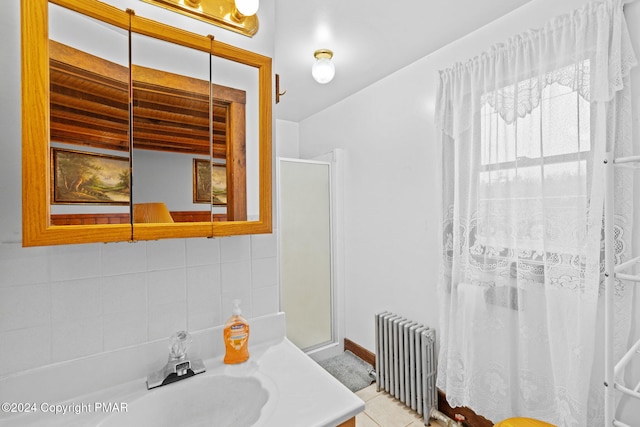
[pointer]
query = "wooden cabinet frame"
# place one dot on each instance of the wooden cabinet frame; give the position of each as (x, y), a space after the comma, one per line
(37, 227)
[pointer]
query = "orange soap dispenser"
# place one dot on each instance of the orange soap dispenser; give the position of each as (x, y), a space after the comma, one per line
(236, 337)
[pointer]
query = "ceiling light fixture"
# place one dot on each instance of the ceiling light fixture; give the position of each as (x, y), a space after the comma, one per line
(323, 69)
(235, 15)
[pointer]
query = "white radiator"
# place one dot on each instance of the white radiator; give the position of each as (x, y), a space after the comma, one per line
(405, 362)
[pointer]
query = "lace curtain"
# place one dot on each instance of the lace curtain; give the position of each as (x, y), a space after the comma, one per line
(524, 129)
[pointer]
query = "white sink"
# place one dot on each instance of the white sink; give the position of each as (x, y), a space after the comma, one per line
(279, 386)
(202, 400)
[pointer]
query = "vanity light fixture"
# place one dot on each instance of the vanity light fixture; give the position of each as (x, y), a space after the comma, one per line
(323, 69)
(235, 15)
(247, 7)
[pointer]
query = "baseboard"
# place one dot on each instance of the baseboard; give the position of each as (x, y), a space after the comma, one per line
(471, 418)
(360, 351)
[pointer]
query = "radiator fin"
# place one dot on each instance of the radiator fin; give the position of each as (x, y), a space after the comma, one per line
(405, 362)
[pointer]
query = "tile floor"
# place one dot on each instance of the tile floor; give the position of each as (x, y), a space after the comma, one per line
(382, 410)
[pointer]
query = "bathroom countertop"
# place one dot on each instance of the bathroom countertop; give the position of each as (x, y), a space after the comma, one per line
(300, 390)
(315, 397)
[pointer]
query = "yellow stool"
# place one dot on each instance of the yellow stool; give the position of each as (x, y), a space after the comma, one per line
(522, 422)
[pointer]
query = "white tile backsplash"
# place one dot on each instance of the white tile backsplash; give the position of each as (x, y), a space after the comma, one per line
(24, 307)
(203, 251)
(70, 262)
(166, 319)
(203, 288)
(22, 266)
(167, 286)
(264, 272)
(203, 319)
(265, 301)
(76, 299)
(124, 293)
(166, 254)
(235, 248)
(124, 329)
(73, 339)
(264, 246)
(236, 276)
(123, 258)
(63, 302)
(25, 349)
(203, 296)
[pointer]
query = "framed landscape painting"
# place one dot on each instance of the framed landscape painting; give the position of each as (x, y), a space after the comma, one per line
(88, 178)
(209, 182)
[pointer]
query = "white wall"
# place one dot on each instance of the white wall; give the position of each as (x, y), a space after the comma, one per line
(392, 179)
(66, 302)
(287, 140)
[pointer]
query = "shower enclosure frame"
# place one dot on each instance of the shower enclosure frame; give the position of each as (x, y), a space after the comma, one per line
(332, 160)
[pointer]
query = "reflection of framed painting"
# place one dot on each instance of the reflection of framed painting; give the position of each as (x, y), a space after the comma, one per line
(209, 185)
(81, 177)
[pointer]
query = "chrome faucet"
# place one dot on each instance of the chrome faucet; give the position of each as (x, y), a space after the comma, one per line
(178, 367)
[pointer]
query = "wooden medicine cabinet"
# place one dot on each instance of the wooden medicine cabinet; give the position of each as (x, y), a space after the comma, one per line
(136, 130)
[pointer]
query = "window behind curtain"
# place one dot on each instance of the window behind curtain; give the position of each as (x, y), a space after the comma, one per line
(532, 186)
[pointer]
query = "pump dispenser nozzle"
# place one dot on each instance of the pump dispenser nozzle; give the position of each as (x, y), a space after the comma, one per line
(236, 307)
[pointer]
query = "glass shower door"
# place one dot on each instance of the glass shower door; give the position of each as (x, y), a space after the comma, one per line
(306, 294)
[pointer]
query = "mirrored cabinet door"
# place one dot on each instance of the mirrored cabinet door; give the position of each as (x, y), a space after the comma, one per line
(236, 86)
(172, 138)
(89, 115)
(75, 125)
(244, 79)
